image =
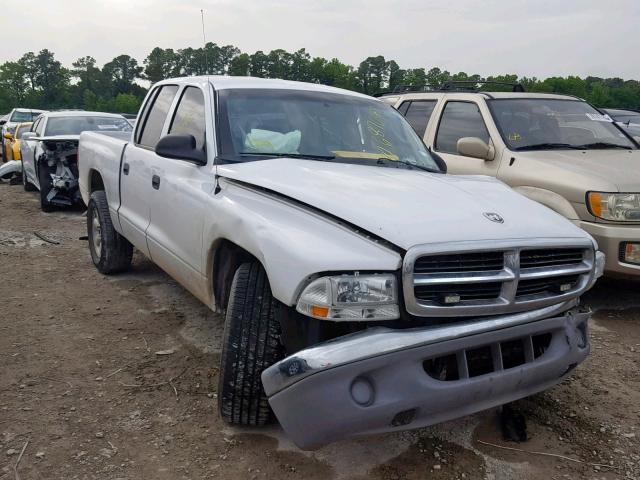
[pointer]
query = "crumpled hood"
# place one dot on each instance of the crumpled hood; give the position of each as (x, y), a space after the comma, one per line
(406, 207)
(604, 170)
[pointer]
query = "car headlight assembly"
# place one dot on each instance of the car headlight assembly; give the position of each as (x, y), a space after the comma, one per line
(617, 207)
(351, 298)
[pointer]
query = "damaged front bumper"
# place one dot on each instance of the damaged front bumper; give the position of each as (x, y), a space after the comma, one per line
(381, 380)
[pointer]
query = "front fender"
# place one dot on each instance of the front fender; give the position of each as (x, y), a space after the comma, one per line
(292, 242)
(550, 199)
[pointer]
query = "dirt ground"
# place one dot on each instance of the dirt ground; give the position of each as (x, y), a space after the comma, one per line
(116, 378)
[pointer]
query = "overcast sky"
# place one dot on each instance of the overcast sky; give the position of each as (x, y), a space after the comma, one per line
(528, 37)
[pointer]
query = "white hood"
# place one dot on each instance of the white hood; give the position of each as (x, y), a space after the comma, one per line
(406, 207)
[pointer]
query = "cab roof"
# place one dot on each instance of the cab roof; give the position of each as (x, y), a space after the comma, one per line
(81, 113)
(223, 82)
(27, 110)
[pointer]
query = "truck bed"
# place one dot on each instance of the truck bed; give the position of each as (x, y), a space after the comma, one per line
(102, 152)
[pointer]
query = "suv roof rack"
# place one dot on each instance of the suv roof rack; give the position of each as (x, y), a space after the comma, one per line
(474, 85)
(451, 86)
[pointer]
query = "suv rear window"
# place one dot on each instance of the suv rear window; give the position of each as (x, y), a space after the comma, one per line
(418, 113)
(459, 120)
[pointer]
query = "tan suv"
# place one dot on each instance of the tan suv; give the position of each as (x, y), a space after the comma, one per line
(555, 149)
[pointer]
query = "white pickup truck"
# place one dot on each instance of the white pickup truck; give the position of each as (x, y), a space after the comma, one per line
(365, 290)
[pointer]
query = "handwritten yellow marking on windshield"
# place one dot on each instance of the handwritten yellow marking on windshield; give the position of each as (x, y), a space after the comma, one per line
(375, 125)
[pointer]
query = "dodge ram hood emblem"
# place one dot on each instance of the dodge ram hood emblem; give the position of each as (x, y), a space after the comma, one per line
(494, 217)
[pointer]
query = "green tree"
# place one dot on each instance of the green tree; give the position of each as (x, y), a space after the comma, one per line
(160, 64)
(240, 65)
(123, 71)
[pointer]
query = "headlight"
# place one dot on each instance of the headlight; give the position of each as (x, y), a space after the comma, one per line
(351, 297)
(621, 207)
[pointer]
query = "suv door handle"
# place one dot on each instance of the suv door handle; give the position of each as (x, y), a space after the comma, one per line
(155, 182)
(125, 169)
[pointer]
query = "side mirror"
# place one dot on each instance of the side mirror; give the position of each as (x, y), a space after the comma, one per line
(8, 136)
(3, 121)
(28, 136)
(181, 147)
(476, 148)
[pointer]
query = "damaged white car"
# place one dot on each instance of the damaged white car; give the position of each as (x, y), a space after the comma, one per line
(50, 153)
(365, 290)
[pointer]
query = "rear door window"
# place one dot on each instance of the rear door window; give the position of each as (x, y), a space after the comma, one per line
(418, 114)
(154, 122)
(190, 116)
(459, 120)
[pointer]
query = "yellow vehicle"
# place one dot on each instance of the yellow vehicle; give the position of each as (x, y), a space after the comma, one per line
(12, 141)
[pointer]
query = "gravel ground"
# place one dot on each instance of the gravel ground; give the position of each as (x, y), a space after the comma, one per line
(116, 377)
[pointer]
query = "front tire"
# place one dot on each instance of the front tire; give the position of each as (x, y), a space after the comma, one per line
(110, 251)
(251, 343)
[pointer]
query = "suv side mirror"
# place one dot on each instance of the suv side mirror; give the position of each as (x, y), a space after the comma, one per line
(475, 147)
(28, 136)
(3, 121)
(181, 147)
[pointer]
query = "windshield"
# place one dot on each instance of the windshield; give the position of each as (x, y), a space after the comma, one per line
(19, 117)
(634, 119)
(535, 123)
(259, 123)
(76, 125)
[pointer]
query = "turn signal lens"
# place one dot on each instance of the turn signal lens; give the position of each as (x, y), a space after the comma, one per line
(317, 311)
(595, 204)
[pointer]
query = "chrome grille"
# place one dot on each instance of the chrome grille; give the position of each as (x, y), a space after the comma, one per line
(546, 286)
(469, 291)
(550, 257)
(497, 277)
(461, 262)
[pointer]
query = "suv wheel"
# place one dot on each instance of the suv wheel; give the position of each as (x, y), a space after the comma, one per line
(251, 343)
(28, 187)
(110, 251)
(45, 187)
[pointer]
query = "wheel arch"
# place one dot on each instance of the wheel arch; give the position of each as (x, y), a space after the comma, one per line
(95, 181)
(223, 259)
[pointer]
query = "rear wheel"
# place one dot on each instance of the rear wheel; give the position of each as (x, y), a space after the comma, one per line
(251, 343)
(28, 187)
(110, 251)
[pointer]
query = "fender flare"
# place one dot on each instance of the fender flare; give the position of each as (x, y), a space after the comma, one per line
(552, 200)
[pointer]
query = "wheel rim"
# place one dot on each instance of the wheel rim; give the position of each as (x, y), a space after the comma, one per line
(96, 233)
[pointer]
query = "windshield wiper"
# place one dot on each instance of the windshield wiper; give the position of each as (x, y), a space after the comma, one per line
(546, 146)
(289, 155)
(383, 161)
(602, 145)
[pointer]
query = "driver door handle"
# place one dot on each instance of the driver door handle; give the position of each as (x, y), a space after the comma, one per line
(125, 169)
(155, 182)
